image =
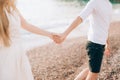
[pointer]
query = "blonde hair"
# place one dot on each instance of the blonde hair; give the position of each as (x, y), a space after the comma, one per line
(5, 5)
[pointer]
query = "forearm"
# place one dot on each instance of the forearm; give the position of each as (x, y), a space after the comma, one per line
(31, 28)
(36, 30)
(75, 23)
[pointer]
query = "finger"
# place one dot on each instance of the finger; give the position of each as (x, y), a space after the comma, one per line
(56, 37)
(59, 41)
(107, 53)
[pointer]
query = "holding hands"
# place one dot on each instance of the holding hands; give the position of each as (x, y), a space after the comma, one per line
(58, 38)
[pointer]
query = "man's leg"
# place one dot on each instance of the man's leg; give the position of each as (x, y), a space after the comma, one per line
(82, 75)
(95, 54)
(92, 76)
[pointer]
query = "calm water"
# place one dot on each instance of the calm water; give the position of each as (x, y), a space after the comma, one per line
(47, 13)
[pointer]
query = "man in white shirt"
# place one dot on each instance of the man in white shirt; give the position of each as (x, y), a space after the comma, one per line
(100, 12)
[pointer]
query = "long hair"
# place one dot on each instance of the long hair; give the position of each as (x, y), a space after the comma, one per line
(5, 5)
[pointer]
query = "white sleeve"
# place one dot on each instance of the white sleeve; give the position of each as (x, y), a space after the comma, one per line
(88, 9)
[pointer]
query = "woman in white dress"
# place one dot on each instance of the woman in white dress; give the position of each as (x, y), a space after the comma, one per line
(14, 64)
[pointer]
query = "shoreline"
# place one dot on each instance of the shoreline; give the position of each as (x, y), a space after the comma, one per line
(32, 41)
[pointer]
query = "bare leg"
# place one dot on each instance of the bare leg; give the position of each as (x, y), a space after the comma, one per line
(82, 75)
(92, 76)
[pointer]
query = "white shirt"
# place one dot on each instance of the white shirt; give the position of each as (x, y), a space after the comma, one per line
(100, 12)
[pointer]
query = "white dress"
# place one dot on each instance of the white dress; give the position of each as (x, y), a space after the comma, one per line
(14, 64)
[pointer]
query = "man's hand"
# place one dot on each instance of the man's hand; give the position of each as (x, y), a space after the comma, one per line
(107, 50)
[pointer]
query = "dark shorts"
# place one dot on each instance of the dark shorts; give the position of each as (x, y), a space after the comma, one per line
(95, 54)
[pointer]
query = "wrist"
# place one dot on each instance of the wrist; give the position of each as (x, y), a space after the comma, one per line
(65, 34)
(48, 34)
